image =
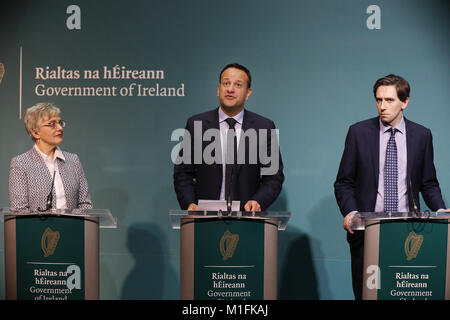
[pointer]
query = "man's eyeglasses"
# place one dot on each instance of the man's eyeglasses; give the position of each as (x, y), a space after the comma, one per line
(53, 124)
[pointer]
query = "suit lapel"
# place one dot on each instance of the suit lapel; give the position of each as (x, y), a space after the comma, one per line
(66, 177)
(374, 143)
(410, 138)
(212, 122)
(247, 123)
(43, 173)
(41, 167)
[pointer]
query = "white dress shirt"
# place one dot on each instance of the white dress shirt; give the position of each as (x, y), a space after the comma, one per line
(223, 125)
(402, 187)
(52, 166)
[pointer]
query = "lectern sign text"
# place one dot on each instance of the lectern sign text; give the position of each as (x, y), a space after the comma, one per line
(412, 260)
(50, 258)
(229, 260)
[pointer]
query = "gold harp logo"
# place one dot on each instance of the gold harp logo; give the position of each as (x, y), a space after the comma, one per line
(412, 245)
(2, 71)
(228, 244)
(49, 241)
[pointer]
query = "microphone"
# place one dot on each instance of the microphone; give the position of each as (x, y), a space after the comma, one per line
(415, 209)
(50, 196)
(229, 199)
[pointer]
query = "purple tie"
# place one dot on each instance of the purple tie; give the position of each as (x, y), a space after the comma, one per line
(391, 175)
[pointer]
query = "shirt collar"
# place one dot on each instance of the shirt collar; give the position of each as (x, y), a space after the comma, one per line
(58, 154)
(223, 116)
(401, 127)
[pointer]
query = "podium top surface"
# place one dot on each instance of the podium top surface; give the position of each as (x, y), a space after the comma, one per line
(282, 217)
(106, 219)
(362, 218)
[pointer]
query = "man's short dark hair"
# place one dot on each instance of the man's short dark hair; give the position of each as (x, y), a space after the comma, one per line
(240, 67)
(400, 84)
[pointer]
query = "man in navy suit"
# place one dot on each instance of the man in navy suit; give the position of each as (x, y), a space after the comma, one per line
(247, 177)
(360, 184)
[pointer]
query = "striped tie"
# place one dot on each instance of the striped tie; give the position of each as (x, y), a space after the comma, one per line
(391, 175)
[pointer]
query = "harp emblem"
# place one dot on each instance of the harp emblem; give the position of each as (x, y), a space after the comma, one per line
(228, 244)
(412, 245)
(49, 241)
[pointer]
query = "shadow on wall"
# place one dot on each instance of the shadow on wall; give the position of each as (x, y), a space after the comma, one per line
(146, 280)
(302, 261)
(297, 276)
(306, 259)
(296, 272)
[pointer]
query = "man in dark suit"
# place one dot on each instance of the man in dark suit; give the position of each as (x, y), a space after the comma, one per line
(238, 172)
(386, 162)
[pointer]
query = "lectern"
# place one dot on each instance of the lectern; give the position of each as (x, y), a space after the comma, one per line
(228, 255)
(406, 255)
(53, 255)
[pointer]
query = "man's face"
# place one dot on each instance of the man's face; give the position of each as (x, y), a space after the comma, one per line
(233, 90)
(390, 107)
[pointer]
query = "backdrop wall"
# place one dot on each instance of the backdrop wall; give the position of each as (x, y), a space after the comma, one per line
(313, 65)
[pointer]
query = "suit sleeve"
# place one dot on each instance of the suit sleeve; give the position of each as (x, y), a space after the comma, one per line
(431, 192)
(184, 171)
(18, 191)
(345, 184)
(271, 184)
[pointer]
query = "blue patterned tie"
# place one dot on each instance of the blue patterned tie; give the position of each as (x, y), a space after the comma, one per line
(391, 175)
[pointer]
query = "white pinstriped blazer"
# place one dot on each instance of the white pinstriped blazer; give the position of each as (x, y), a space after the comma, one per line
(30, 182)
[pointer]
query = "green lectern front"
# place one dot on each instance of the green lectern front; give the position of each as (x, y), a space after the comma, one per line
(228, 255)
(53, 255)
(406, 255)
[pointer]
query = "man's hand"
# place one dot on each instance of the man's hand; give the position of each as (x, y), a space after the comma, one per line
(252, 206)
(193, 207)
(348, 221)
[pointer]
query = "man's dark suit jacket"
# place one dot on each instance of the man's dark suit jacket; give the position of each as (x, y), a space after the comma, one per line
(203, 181)
(356, 184)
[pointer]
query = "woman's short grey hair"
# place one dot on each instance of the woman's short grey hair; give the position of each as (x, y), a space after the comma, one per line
(35, 115)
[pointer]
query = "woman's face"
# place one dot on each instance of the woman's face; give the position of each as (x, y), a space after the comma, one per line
(50, 132)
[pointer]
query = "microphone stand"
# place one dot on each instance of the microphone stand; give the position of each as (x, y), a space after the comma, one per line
(50, 196)
(229, 199)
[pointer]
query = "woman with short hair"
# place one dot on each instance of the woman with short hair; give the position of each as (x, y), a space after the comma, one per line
(45, 177)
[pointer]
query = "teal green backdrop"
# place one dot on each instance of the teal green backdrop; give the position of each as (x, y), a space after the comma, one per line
(313, 65)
